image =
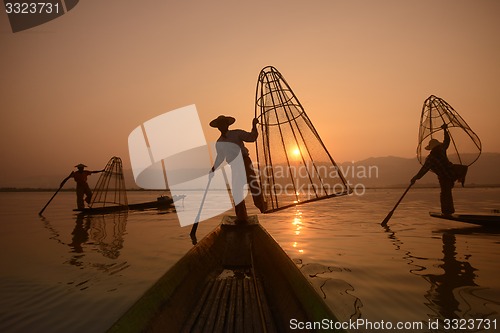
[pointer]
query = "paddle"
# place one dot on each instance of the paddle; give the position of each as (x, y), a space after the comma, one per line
(197, 219)
(388, 217)
(60, 187)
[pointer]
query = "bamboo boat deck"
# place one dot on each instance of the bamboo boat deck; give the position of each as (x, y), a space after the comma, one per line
(232, 303)
(236, 279)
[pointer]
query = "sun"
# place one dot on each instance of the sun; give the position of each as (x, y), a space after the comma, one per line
(296, 152)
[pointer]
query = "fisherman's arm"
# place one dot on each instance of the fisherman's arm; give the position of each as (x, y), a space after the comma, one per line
(218, 160)
(446, 140)
(423, 170)
(66, 179)
(217, 163)
(250, 136)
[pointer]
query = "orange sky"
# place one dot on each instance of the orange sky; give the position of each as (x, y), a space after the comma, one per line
(73, 89)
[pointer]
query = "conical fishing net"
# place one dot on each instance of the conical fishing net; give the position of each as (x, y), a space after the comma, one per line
(293, 163)
(110, 188)
(465, 146)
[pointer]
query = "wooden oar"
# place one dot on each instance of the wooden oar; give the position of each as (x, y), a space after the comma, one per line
(197, 219)
(60, 187)
(388, 217)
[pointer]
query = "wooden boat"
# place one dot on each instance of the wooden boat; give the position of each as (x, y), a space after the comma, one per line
(162, 202)
(491, 221)
(236, 279)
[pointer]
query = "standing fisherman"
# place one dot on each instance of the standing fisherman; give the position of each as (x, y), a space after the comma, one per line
(224, 152)
(447, 172)
(82, 187)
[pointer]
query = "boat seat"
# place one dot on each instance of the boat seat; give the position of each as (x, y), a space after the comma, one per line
(233, 301)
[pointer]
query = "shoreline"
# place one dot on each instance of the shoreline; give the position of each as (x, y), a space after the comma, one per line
(388, 187)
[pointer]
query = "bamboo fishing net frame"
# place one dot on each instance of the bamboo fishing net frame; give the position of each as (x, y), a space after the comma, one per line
(465, 146)
(110, 188)
(284, 124)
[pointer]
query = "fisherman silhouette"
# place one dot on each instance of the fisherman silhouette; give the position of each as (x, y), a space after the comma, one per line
(82, 187)
(437, 161)
(225, 152)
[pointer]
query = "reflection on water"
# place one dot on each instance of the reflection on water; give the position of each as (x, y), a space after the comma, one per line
(297, 228)
(107, 231)
(74, 273)
(456, 275)
(337, 293)
(452, 293)
(418, 269)
(102, 234)
(80, 234)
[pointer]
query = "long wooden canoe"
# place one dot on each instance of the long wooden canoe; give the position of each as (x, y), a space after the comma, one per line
(161, 203)
(236, 279)
(490, 221)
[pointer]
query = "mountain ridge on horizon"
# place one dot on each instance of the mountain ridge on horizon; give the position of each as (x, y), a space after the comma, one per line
(397, 171)
(386, 171)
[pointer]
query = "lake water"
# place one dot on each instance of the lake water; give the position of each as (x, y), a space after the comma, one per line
(66, 273)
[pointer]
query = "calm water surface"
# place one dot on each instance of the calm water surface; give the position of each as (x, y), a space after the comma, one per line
(65, 273)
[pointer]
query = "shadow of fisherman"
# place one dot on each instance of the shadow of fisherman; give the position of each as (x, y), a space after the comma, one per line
(82, 187)
(224, 152)
(437, 161)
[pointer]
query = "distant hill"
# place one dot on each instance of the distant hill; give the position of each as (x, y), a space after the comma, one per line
(394, 171)
(389, 171)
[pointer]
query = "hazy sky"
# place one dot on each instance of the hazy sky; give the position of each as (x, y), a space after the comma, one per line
(73, 89)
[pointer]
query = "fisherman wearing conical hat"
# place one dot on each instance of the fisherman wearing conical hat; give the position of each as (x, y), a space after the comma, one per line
(82, 187)
(224, 152)
(437, 161)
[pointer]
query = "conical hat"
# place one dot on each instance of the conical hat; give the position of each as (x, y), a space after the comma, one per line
(222, 121)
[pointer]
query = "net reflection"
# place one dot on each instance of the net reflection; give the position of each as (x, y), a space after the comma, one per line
(96, 238)
(107, 232)
(91, 235)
